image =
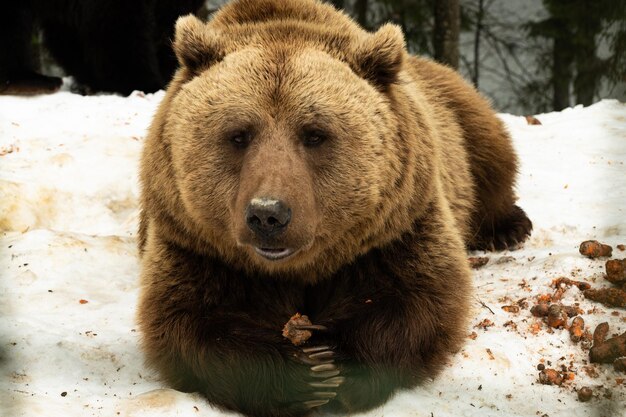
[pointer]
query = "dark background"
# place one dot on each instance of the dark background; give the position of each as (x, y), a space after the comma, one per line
(527, 56)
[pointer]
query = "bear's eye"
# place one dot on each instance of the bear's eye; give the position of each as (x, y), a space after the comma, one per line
(240, 138)
(313, 137)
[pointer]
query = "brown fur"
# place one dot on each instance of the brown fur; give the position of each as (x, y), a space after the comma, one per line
(415, 166)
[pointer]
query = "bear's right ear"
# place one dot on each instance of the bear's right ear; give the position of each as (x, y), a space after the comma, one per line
(379, 57)
(196, 46)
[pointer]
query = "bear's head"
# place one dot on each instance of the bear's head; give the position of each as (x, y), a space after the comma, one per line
(285, 142)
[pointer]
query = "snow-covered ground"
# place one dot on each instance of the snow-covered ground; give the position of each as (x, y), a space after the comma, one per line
(68, 286)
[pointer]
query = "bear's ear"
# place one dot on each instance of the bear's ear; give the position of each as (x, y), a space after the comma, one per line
(196, 46)
(379, 57)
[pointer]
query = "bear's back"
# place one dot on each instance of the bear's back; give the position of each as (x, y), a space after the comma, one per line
(249, 12)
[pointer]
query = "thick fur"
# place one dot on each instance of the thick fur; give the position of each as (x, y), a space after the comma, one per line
(414, 168)
(108, 45)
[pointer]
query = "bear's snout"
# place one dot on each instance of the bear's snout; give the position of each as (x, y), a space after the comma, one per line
(267, 217)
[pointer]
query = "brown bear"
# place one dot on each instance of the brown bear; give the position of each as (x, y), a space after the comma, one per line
(299, 164)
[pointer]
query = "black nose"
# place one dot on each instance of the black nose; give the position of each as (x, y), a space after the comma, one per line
(267, 217)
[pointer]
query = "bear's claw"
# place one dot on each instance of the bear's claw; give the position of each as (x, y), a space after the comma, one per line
(329, 383)
(328, 395)
(323, 374)
(310, 327)
(315, 403)
(327, 354)
(318, 357)
(323, 367)
(313, 349)
(324, 371)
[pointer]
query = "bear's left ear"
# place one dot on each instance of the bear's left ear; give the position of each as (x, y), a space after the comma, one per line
(379, 57)
(196, 46)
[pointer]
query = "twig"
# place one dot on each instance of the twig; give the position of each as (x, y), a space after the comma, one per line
(484, 305)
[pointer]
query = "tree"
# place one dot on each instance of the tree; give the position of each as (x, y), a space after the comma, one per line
(339, 4)
(563, 61)
(360, 10)
(575, 28)
(480, 13)
(447, 15)
(415, 17)
(557, 28)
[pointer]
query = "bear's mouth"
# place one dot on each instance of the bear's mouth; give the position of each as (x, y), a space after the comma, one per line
(274, 254)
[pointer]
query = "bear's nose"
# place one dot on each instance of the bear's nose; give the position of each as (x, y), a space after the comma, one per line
(267, 217)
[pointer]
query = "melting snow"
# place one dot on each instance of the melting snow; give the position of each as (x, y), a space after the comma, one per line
(68, 287)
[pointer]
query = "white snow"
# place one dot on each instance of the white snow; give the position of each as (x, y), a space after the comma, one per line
(68, 287)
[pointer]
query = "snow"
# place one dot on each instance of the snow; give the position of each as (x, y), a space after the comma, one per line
(68, 287)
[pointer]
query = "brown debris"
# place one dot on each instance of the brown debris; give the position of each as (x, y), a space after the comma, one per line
(557, 317)
(619, 365)
(585, 394)
(615, 296)
(558, 293)
(544, 298)
(599, 334)
(581, 285)
(606, 350)
(510, 324)
(543, 309)
(511, 309)
(478, 262)
(586, 340)
(490, 353)
(616, 271)
(594, 249)
(610, 297)
(295, 336)
(550, 377)
(591, 371)
(561, 285)
(571, 311)
(532, 120)
(577, 329)
(534, 327)
(7, 150)
(621, 247)
(540, 310)
(504, 260)
(586, 343)
(486, 323)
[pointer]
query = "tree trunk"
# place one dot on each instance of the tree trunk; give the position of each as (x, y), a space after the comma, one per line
(479, 28)
(588, 65)
(360, 10)
(446, 32)
(586, 81)
(562, 72)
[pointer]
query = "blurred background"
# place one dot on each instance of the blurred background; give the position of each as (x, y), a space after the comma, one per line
(527, 56)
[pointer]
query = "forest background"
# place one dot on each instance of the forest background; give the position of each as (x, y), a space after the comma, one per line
(527, 56)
